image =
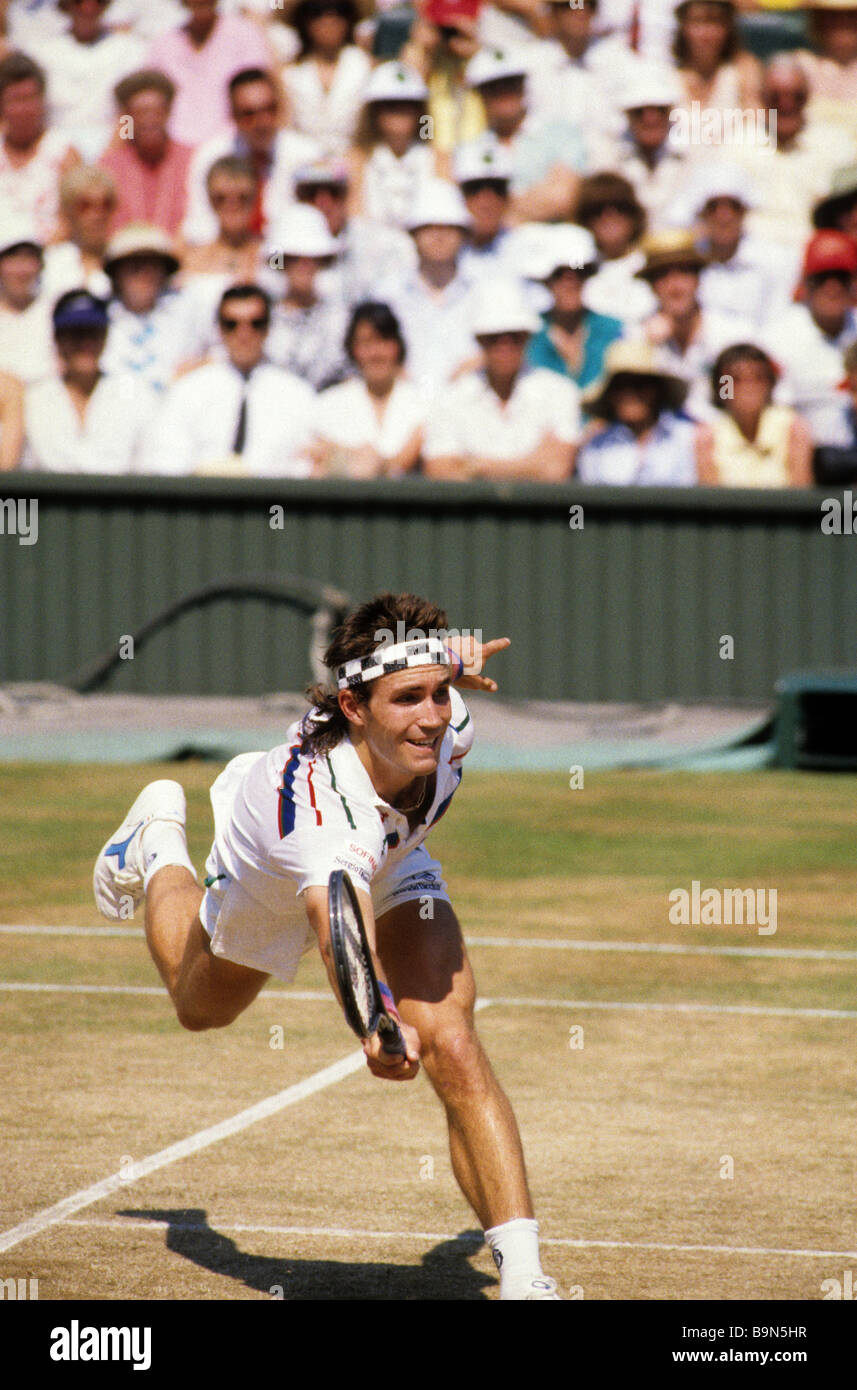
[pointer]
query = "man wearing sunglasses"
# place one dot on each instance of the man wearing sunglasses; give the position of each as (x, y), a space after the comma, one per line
(238, 415)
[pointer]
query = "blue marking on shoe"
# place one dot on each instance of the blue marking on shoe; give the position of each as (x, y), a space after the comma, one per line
(120, 847)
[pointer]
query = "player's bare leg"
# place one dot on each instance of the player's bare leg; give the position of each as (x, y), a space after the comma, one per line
(207, 991)
(428, 971)
(148, 857)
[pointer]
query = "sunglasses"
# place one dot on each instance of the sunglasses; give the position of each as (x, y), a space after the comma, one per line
(95, 204)
(232, 325)
(269, 109)
(473, 186)
(220, 200)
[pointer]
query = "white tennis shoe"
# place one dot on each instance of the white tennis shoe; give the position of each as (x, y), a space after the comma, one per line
(118, 877)
(542, 1288)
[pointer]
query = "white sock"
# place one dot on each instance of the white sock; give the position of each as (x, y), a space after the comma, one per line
(515, 1247)
(163, 842)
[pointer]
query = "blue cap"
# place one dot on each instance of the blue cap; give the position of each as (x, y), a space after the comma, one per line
(80, 310)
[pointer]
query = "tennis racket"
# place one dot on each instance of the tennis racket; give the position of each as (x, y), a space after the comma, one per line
(358, 984)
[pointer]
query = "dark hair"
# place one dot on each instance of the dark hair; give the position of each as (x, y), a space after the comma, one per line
(19, 67)
(608, 187)
(145, 80)
(240, 293)
(308, 10)
(681, 48)
(381, 318)
(248, 75)
(356, 637)
(729, 357)
(235, 167)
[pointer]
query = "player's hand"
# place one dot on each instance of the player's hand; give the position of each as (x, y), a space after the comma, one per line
(474, 654)
(391, 1067)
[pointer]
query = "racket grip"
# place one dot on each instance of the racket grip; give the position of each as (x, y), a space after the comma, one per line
(392, 1041)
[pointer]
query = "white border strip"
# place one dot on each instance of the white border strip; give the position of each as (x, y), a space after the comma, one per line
(350, 1233)
(516, 943)
(263, 1110)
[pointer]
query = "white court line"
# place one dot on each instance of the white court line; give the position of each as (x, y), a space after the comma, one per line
(518, 943)
(760, 1010)
(350, 1233)
(263, 1110)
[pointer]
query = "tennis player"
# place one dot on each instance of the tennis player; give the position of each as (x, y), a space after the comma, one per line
(358, 785)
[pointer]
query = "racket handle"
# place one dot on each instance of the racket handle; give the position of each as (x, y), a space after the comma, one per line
(392, 1041)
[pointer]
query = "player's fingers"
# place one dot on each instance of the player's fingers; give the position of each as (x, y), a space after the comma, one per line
(497, 644)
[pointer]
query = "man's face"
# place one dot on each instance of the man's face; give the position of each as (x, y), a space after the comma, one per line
(613, 227)
(676, 288)
(330, 199)
(233, 199)
(22, 111)
(150, 112)
(829, 296)
(504, 102)
(89, 217)
(256, 113)
(723, 220)
(405, 720)
(86, 18)
(504, 352)
(80, 350)
(566, 286)
(634, 400)
(139, 281)
(649, 125)
(787, 97)
(572, 25)
(243, 328)
(19, 271)
(487, 200)
(438, 243)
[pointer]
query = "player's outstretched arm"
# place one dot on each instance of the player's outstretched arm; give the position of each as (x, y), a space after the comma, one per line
(380, 1063)
(473, 654)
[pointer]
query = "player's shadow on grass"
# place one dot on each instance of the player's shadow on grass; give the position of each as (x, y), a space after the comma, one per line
(443, 1272)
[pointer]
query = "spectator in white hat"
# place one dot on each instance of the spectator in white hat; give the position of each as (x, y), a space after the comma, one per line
(256, 133)
(431, 301)
(506, 420)
(83, 65)
(642, 436)
(238, 415)
(645, 153)
(393, 154)
(546, 155)
(26, 349)
(483, 172)
(155, 328)
(372, 425)
(308, 327)
(365, 250)
(33, 155)
(572, 339)
(744, 277)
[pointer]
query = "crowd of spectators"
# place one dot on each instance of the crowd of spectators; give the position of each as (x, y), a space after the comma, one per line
(526, 239)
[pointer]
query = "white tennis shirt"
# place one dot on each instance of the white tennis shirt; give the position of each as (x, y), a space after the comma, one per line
(287, 815)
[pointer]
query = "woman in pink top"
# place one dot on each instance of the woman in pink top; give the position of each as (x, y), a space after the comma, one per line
(201, 57)
(150, 168)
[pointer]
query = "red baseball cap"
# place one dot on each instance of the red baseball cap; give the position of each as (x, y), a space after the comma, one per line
(447, 13)
(830, 250)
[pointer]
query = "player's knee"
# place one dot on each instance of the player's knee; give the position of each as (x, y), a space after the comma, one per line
(451, 1051)
(198, 1020)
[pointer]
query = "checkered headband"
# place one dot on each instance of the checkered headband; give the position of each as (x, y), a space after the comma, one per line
(396, 656)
